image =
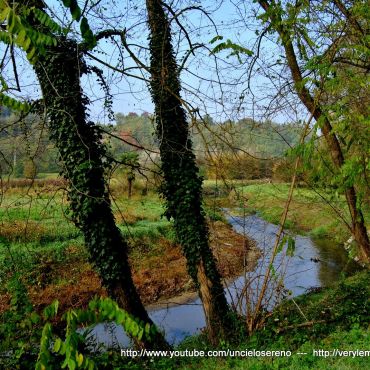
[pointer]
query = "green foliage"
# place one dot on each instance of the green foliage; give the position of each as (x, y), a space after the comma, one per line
(289, 241)
(74, 8)
(329, 71)
(20, 330)
(45, 20)
(21, 33)
(13, 104)
(99, 310)
(86, 32)
(84, 166)
(182, 185)
(33, 30)
(18, 31)
(236, 50)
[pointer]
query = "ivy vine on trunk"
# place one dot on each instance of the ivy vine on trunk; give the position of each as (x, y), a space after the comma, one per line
(83, 157)
(182, 185)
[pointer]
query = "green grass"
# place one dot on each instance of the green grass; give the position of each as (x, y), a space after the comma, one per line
(149, 229)
(149, 207)
(356, 338)
(47, 175)
(344, 308)
(308, 212)
(35, 227)
(35, 230)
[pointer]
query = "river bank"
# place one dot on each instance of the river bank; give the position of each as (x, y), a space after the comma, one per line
(159, 271)
(323, 329)
(312, 212)
(153, 245)
(310, 267)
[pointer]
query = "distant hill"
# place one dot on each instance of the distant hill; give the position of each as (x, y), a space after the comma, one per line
(22, 142)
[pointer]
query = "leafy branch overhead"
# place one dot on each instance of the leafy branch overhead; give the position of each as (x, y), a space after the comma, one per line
(76, 13)
(32, 30)
(236, 50)
(16, 30)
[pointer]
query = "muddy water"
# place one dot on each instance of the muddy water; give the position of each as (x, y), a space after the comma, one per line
(314, 264)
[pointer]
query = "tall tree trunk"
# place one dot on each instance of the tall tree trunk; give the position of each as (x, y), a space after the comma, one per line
(182, 186)
(358, 228)
(84, 166)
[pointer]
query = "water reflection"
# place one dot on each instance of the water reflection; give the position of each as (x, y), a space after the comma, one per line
(314, 264)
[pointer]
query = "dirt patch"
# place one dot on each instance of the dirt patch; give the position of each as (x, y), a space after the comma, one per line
(162, 275)
(158, 276)
(234, 252)
(21, 231)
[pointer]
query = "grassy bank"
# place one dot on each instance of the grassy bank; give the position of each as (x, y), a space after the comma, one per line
(41, 248)
(310, 212)
(39, 242)
(331, 319)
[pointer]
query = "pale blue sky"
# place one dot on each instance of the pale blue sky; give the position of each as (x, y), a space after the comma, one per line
(211, 84)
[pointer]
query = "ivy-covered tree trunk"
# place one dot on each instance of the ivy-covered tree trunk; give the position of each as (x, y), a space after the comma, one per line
(82, 155)
(182, 186)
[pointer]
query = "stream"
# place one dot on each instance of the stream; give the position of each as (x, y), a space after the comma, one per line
(314, 264)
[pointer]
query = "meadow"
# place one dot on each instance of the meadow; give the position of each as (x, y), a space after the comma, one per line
(40, 243)
(43, 253)
(314, 212)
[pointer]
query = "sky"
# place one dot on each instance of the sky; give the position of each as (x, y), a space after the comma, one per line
(213, 84)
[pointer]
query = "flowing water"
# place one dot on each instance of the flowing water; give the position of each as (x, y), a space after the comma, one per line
(314, 264)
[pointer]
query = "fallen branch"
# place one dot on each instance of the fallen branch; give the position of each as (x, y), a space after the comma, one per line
(302, 325)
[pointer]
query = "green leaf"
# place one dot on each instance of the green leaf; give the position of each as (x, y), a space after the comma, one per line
(31, 54)
(236, 49)
(76, 12)
(35, 318)
(79, 358)
(281, 245)
(74, 9)
(51, 310)
(44, 18)
(4, 86)
(87, 34)
(57, 345)
(291, 247)
(5, 37)
(10, 20)
(21, 38)
(13, 103)
(4, 14)
(84, 26)
(71, 364)
(216, 38)
(26, 44)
